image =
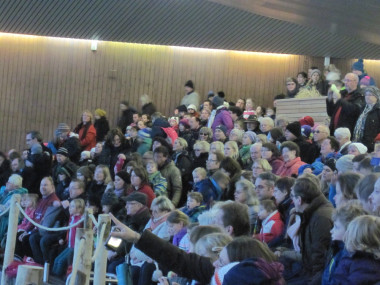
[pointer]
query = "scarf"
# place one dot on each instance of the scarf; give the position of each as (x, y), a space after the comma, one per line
(360, 124)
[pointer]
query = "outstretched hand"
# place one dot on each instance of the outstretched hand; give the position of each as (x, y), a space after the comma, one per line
(124, 232)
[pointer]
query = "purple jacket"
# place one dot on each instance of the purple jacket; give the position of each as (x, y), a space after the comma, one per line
(223, 117)
(357, 268)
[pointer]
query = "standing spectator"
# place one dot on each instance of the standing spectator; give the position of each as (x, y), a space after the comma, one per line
(222, 116)
(191, 97)
(86, 131)
(101, 125)
(343, 136)
(358, 69)
(126, 117)
(147, 106)
(292, 87)
(5, 169)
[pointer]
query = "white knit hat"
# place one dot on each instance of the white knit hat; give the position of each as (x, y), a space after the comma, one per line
(16, 180)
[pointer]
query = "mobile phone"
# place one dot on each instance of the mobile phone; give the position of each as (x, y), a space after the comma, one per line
(113, 243)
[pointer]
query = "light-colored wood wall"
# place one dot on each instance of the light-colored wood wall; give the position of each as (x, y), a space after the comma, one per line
(45, 81)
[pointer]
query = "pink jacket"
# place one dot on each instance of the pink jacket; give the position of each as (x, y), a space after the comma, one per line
(70, 237)
(25, 224)
(291, 167)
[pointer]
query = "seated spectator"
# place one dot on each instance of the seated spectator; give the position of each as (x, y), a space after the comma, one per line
(292, 161)
(363, 190)
(29, 204)
(213, 162)
(194, 206)
(86, 131)
(374, 199)
(85, 174)
(233, 170)
(341, 218)
(101, 125)
(360, 265)
(235, 112)
(255, 153)
(345, 188)
(201, 150)
(301, 78)
(271, 224)
(292, 87)
(270, 152)
(260, 112)
(236, 135)
(156, 180)
(102, 178)
(252, 124)
(132, 139)
(281, 194)
(140, 183)
(145, 141)
(220, 133)
(182, 161)
(327, 176)
(64, 179)
(244, 152)
(357, 148)
(266, 124)
(206, 134)
(343, 136)
(249, 108)
(329, 148)
(239, 124)
(231, 150)
(260, 166)
(213, 187)
(177, 223)
(261, 138)
(240, 103)
(265, 185)
(365, 168)
(217, 146)
(63, 160)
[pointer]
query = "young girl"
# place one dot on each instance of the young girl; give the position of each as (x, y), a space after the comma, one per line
(361, 262)
(65, 259)
(177, 223)
(29, 203)
(248, 109)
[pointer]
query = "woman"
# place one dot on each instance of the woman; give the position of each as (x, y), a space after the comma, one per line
(231, 168)
(217, 147)
(301, 79)
(290, 153)
(270, 152)
(259, 166)
(236, 135)
(201, 150)
(114, 146)
(245, 194)
(121, 183)
(140, 183)
(292, 87)
(367, 126)
(182, 161)
(101, 125)
(102, 178)
(160, 141)
(205, 134)
(345, 188)
(86, 131)
(315, 87)
(327, 176)
(231, 149)
(249, 138)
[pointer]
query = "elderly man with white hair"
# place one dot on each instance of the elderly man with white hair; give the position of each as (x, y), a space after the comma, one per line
(343, 136)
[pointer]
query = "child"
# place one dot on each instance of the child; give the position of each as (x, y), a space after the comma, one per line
(65, 174)
(177, 223)
(193, 206)
(213, 187)
(157, 181)
(65, 259)
(341, 218)
(85, 158)
(360, 262)
(272, 224)
(29, 203)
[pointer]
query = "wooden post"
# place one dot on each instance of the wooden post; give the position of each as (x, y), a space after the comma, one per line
(84, 268)
(11, 236)
(101, 260)
(27, 274)
(87, 224)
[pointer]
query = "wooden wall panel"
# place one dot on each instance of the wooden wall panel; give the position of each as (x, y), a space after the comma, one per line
(45, 81)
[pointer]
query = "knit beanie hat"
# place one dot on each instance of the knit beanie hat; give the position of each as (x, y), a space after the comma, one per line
(307, 120)
(358, 65)
(144, 133)
(330, 162)
(182, 108)
(367, 81)
(136, 196)
(306, 131)
(361, 147)
(190, 84)
(109, 198)
(124, 176)
(345, 163)
(68, 171)
(252, 135)
(63, 151)
(16, 180)
(36, 148)
(192, 106)
(100, 112)
(315, 71)
(294, 128)
(62, 128)
(223, 128)
(217, 101)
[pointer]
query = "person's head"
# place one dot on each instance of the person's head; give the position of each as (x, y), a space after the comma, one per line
(205, 114)
(239, 124)
(205, 134)
(342, 135)
(122, 179)
(17, 164)
(357, 148)
(207, 105)
(233, 218)
(136, 117)
(358, 67)
(292, 131)
(115, 138)
(217, 146)
(76, 188)
(249, 104)
(139, 176)
(176, 221)
(145, 99)
(230, 166)
(160, 206)
(231, 149)
(240, 103)
(282, 188)
(328, 169)
(252, 123)
(245, 193)
(302, 78)
(201, 147)
(291, 84)
(260, 111)
(351, 81)
(124, 105)
(160, 155)
(33, 137)
(93, 203)
(183, 125)
(342, 217)
(180, 144)
(364, 189)
(210, 245)
(29, 201)
(76, 207)
(221, 179)
(102, 174)
(372, 95)
(62, 155)
(220, 133)
(194, 199)
(363, 234)
(235, 112)
(85, 174)
(266, 124)
(315, 76)
(199, 174)
(320, 134)
(365, 167)
(304, 191)
(87, 117)
(374, 198)
(267, 207)
(14, 182)
(47, 186)
(329, 145)
(189, 86)
(260, 166)
(135, 202)
(151, 167)
(236, 135)
(345, 188)
(194, 123)
(255, 151)
(214, 159)
(265, 185)
(344, 163)
(269, 150)
(248, 138)
(289, 150)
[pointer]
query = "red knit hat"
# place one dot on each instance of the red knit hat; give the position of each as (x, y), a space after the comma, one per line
(307, 120)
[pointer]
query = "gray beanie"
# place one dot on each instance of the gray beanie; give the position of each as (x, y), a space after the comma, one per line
(345, 163)
(217, 101)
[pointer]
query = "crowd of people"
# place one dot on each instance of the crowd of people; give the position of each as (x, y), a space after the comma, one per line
(217, 193)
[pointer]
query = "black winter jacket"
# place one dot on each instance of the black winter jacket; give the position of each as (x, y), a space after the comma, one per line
(371, 128)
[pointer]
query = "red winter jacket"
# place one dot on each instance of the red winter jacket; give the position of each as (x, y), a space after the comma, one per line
(272, 227)
(290, 168)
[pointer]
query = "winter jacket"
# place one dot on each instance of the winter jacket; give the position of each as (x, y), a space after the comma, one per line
(210, 191)
(308, 151)
(87, 139)
(173, 177)
(222, 117)
(109, 156)
(276, 163)
(200, 161)
(148, 109)
(350, 106)
(102, 127)
(245, 155)
(158, 183)
(5, 172)
(144, 146)
(290, 168)
(96, 190)
(315, 236)
(145, 189)
(126, 119)
(371, 127)
(191, 98)
(194, 213)
(335, 254)
(271, 228)
(359, 268)
(68, 165)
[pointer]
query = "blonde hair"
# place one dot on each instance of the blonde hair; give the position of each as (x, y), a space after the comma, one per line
(203, 145)
(106, 173)
(177, 217)
(79, 204)
(182, 142)
(239, 133)
(88, 112)
(363, 234)
(212, 244)
(261, 138)
(218, 145)
(348, 212)
(144, 99)
(233, 145)
(163, 204)
(268, 120)
(207, 131)
(249, 190)
(32, 197)
(264, 164)
(201, 171)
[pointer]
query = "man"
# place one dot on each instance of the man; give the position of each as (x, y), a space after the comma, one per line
(63, 161)
(343, 136)
(126, 117)
(68, 140)
(195, 126)
(213, 162)
(255, 151)
(205, 115)
(240, 103)
(314, 230)
(308, 151)
(235, 113)
(344, 107)
(252, 124)
(207, 105)
(171, 173)
(76, 191)
(35, 137)
(191, 97)
(220, 133)
(329, 148)
(233, 218)
(265, 185)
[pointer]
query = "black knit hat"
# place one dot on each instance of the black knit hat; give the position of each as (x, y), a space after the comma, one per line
(63, 151)
(330, 162)
(190, 84)
(124, 176)
(182, 108)
(109, 198)
(294, 128)
(136, 196)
